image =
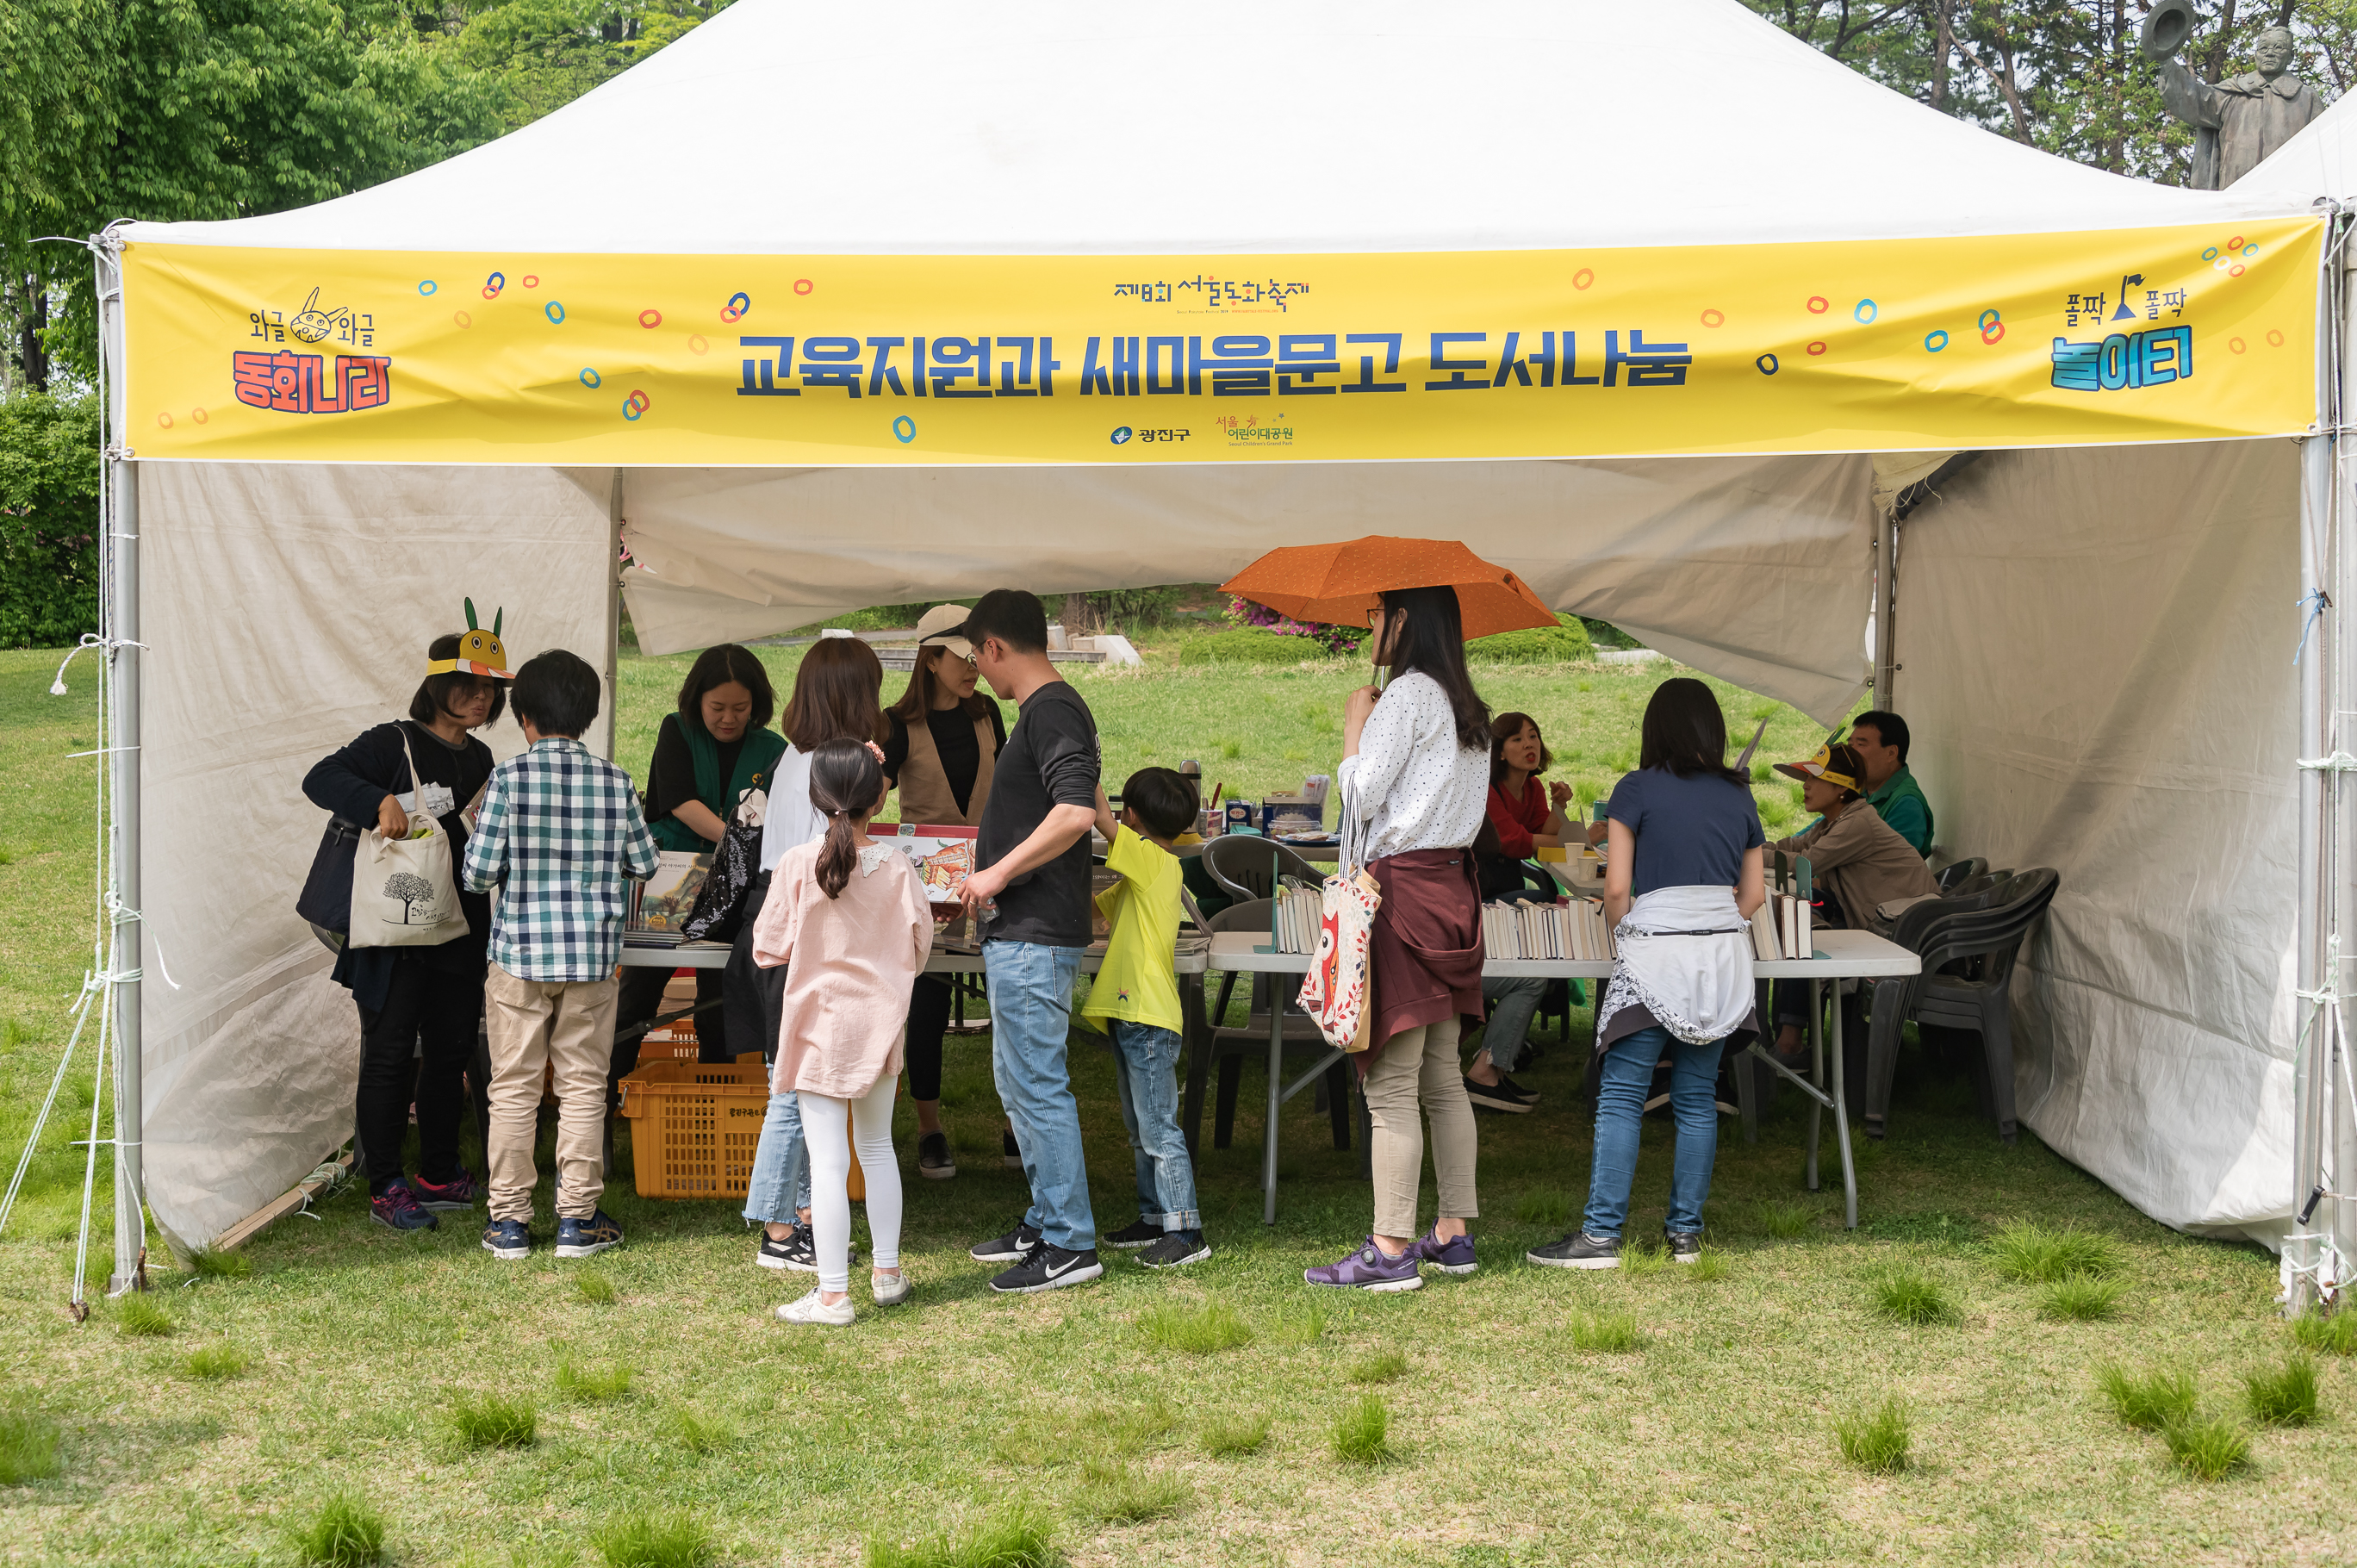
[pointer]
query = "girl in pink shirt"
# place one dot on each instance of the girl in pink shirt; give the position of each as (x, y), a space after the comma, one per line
(847, 919)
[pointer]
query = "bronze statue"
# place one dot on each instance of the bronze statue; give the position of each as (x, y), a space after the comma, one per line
(2240, 120)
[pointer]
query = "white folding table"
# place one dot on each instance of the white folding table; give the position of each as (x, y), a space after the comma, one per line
(1839, 955)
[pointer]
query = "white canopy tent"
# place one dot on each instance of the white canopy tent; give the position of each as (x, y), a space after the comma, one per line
(2160, 1004)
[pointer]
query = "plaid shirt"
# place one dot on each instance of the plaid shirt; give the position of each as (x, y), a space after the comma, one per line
(561, 836)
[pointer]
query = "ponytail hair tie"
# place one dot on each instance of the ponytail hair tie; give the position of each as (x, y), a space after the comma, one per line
(874, 750)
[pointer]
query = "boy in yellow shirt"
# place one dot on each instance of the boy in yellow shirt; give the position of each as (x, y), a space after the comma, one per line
(1136, 1000)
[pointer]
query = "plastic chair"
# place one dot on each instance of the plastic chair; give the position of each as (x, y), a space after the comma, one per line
(1947, 876)
(1230, 1046)
(1966, 984)
(1241, 864)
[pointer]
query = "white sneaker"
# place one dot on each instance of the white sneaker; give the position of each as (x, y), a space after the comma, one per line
(811, 1309)
(889, 1290)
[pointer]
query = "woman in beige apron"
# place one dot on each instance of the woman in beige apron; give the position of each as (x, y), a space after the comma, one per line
(945, 738)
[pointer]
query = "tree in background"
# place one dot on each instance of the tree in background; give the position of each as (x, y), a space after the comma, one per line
(49, 519)
(2063, 75)
(213, 109)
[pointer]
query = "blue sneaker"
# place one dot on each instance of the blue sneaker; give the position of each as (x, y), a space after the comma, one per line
(507, 1239)
(398, 1210)
(586, 1238)
(1454, 1256)
(1370, 1268)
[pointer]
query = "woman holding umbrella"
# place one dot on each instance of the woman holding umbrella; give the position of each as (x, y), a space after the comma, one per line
(1416, 780)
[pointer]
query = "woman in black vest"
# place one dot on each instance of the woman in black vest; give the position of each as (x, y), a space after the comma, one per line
(420, 1007)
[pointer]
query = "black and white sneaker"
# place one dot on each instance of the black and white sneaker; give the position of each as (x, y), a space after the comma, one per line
(1499, 1096)
(1175, 1249)
(933, 1160)
(1686, 1246)
(796, 1251)
(1011, 1153)
(1018, 1243)
(1048, 1267)
(1579, 1250)
(1130, 1237)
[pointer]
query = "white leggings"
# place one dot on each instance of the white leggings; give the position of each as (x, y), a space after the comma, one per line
(830, 1157)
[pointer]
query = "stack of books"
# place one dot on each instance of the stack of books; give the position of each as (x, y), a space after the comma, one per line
(1779, 927)
(1295, 916)
(1574, 929)
(660, 904)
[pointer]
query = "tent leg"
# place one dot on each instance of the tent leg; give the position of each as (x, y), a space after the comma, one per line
(119, 627)
(614, 615)
(1886, 612)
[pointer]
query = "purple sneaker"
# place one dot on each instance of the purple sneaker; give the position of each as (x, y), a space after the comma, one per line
(1454, 1256)
(397, 1210)
(458, 1193)
(1368, 1268)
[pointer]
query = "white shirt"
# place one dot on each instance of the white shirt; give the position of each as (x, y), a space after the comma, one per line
(793, 821)
(1412, 785)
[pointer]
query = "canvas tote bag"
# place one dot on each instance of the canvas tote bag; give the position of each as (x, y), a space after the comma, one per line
(404, 891)
(1339, 992)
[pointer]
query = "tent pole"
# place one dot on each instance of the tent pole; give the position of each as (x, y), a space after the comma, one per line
(2338, 1142)
(1886, 611)
(119, 614)
(614, 614)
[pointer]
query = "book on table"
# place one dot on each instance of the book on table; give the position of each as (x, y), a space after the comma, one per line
(661, 904)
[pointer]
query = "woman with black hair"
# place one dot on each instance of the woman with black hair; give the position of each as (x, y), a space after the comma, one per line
(710, 753)
(1682, 876)
(419, 1007)
(1414, 778)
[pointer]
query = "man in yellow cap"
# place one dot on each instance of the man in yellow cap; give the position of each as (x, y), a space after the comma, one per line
(1856, 862)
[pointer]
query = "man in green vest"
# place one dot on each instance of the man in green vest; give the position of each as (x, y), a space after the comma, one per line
(1880, 739)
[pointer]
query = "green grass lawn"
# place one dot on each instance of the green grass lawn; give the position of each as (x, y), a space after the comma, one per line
(1517, 1416)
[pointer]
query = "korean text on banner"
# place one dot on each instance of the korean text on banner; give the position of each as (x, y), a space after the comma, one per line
(2097, 337)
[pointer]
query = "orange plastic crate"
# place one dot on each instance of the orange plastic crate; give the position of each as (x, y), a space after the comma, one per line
(694, 1126)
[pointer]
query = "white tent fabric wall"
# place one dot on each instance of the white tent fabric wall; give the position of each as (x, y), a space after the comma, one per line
(1753, 568)
(287, 608)
(2098, 649)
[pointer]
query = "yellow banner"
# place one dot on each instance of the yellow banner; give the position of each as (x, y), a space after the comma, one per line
(2043, 340)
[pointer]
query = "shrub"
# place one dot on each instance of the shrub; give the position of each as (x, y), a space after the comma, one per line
(1214, 1326)
(2161, 1397)
(28, 1447)
(1226, 1437)
(2210, 1448)
(1565, 641)
(49, 519)
(344, 1534)
(1244, 615)
(491, 1421)
(1910, 1295)
(2039, 1256)
(1362, 1432)
(1114, 1493)
(2333, 1335)
(2285, 1395)
(1380, 1368)
(640, 1539)
(217, 1363)
(1876, 1439)
(1018, 1540)
(1248, 647)
(2082, 1299)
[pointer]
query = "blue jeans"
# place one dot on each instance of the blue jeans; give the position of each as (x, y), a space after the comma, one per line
(1626, 1083)
(779, 1185)
(1030, 987)
(1145, 1072)
(1516, 1004)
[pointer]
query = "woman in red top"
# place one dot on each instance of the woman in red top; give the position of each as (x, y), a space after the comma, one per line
(1520, 810)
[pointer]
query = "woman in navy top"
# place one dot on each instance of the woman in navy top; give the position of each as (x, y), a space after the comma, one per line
(1682, 878)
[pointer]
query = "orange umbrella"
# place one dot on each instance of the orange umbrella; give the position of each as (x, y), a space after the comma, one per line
(1338, 584)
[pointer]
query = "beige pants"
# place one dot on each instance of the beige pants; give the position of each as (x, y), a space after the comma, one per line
(532, 1024)
(1420, 1065)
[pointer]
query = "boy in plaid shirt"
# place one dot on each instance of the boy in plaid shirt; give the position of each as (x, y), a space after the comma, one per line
(561, 837)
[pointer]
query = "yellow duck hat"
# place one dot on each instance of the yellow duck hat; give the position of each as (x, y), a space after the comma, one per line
(480, 652)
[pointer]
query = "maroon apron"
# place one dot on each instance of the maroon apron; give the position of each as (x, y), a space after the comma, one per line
(1425, 950)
